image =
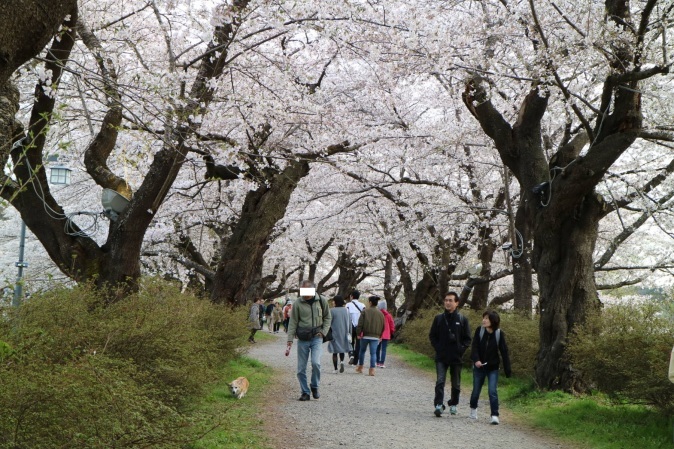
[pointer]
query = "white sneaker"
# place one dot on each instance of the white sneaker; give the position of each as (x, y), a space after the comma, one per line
(494, 420)
(473, 413)
(335, 371)
(453, 410)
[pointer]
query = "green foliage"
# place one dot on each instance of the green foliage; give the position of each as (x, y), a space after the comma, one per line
(414, 334)
(236, 423)
(633, 344)
(521, 336)
(85, 376)
(592, 422)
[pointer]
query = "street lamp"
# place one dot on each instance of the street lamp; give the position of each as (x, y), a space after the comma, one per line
(59, 175)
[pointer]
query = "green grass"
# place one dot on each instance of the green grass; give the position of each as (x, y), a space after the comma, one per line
(235, 423)
(590, 421)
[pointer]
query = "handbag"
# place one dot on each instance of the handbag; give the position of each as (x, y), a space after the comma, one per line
(328, 336)
(305, 333)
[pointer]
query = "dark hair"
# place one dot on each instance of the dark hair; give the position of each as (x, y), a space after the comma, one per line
(355, 294)
(339, 301)
(494, 319)
(453, 293)
(373, 300)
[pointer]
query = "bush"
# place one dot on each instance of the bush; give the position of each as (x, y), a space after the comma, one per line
(73, 374)
(624, 351)
(521, 335)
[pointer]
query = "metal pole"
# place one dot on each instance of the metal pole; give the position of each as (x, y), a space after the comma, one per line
(18, 288)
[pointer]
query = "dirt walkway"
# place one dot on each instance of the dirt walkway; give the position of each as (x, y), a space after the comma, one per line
(394, 409)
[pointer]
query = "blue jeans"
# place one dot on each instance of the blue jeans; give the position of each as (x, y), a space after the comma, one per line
(372, 344)
(479, 375)
(315, 346)
(455, 376)
(381, 351)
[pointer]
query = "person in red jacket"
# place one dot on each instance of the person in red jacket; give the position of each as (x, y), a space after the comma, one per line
(389, 329)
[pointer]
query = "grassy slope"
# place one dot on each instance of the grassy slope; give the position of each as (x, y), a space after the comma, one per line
(593, 422)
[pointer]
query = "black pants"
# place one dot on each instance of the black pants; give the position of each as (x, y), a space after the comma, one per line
(355, 343)
(455, 378)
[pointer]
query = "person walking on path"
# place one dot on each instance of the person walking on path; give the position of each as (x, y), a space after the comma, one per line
(389, 329)
(341, 328)
(450, 337)
(310, 320)
(286, 315)
(276, 317)
(355, 308)
(254, 319)
(269, 309)
(488, 341)
(370, 329)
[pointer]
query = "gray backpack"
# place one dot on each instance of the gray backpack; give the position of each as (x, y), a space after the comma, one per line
(497, 332)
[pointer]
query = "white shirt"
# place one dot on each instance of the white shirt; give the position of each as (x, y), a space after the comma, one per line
(354, 311)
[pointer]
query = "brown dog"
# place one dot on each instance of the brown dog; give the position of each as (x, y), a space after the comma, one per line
(239, 387)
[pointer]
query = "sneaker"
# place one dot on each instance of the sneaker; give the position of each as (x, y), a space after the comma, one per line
(351, 362)
(305, 397)
(452, 410)
(438, 410)
(335, 371)
(341, 367)
(382, 366)
(473, 413)
(494, 420)
(315, 393)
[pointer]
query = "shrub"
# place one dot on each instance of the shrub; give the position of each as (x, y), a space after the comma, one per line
(521, 335)
(624, 351)
(82, 376)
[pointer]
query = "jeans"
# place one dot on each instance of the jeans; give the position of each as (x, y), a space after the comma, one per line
(479, 375)
(372, 344)
(381, 352)
(455, 376)
(315, 346)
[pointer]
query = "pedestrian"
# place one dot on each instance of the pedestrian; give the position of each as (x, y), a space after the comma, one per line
(389, 329)
(450, 337)
(341, 328)
(355, 307)
(267, 315)
(254, 319)
(488, 341)
(276, 317)
(260, 305)
(286, 314)
(370, 329)
(309, 320)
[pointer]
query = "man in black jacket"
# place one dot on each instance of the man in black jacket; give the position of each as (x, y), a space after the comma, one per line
(450, 336)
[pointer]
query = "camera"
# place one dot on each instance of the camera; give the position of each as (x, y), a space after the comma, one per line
(452, 337)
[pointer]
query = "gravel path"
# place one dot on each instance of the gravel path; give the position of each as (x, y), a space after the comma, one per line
(394, 409)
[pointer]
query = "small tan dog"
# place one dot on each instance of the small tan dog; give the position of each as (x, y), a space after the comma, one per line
(239, 387)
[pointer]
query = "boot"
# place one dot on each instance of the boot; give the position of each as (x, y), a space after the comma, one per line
(359, 369)
(371, 373)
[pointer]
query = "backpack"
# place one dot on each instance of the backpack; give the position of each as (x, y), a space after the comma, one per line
(497, 333)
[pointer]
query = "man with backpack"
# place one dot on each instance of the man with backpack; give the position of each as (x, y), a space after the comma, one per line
(354, 307)
(450, 337)
(310, 320)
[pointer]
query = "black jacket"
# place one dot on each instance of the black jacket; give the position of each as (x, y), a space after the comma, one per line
(447, 349)
(485, 350)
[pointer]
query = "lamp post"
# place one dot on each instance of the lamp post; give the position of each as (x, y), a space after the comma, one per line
(18, 288)
(59, 175)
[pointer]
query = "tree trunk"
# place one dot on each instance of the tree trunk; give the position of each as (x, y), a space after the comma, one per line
(522, 269)
(563, 256)
(486, 249)
(243, 252)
